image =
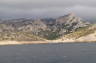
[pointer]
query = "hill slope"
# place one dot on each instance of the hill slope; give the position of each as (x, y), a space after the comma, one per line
(62, 28)
(85, 34)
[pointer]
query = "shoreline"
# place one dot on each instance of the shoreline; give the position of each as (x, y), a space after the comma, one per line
(40, 42)
(22, 42)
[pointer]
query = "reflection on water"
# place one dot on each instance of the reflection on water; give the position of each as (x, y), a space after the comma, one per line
(49, 53)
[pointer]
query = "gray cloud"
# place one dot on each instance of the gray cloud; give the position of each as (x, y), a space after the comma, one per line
(50, 8)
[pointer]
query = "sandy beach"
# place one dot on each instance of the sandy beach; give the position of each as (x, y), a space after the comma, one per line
(41, 42)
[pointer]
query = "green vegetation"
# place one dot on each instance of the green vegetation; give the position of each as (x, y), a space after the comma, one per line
(52, 36)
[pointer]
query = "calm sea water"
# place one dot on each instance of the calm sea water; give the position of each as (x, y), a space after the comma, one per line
(49, 53)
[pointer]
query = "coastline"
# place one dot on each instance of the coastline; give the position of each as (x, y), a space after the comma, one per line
(40, 42)
(21, 42)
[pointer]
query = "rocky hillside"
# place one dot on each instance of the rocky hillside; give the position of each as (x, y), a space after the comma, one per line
(41, 29)
(85, 34)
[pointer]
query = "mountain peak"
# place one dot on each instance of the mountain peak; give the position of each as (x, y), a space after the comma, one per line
(71, 14)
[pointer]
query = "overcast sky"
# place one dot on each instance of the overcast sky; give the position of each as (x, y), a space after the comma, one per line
(46, 8)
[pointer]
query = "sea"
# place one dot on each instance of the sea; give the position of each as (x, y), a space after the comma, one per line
(49, 53)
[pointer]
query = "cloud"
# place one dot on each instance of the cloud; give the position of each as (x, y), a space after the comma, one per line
(51, 8)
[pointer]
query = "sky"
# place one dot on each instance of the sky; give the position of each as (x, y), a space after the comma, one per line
(47, 8)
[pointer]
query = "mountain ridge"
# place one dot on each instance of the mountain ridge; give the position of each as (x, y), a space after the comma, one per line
(41, 29)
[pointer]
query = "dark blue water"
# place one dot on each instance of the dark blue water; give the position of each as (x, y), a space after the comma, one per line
(49, 53)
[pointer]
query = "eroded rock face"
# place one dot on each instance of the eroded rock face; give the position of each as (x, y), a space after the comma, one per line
(48, 28)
